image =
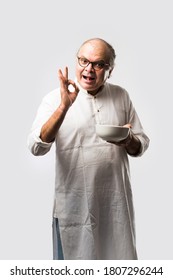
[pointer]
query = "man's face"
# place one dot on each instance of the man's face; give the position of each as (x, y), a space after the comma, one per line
(89, 78)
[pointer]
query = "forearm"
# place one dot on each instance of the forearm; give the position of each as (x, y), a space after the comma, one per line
(133, 145)
(51, 127)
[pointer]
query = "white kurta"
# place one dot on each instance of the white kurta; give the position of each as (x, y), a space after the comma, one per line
(93, 197)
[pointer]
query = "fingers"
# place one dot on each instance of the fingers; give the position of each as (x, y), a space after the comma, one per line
(65, 83)
(63, 76)
(128, 125)
(68, 88)
(66, 73)
(74, 86)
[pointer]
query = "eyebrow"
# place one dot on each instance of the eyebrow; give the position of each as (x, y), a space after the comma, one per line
(99, 60)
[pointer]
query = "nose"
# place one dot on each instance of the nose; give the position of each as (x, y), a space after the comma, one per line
(89, 67)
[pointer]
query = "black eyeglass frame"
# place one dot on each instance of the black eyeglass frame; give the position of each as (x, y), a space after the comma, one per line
(94, 63)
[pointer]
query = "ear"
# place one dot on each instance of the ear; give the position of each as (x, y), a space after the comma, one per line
(110, 71)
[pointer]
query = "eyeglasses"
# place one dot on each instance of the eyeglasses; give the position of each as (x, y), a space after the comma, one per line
(97, 65)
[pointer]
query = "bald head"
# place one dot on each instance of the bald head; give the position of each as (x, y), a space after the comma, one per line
(106, 47)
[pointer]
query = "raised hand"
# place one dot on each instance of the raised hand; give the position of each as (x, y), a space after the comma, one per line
(67, 96)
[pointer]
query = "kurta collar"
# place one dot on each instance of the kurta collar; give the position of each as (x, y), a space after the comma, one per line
(86, 92)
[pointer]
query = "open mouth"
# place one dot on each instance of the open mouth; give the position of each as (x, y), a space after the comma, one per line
(88, 78)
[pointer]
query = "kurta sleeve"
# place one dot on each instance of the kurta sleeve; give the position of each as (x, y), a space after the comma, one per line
(45, 110)
(137, 127)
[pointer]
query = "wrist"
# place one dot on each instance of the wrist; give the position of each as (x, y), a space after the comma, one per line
(63, 108)
(129, 139)
(133, 145)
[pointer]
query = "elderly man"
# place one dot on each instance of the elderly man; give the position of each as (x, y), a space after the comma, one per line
(93, 215)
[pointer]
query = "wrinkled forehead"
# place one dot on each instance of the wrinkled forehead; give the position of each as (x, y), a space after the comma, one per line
(94, 50)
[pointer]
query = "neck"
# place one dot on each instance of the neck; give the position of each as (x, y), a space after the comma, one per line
(94, 92)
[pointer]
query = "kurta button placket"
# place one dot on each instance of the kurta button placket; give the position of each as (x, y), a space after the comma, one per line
(96, 109)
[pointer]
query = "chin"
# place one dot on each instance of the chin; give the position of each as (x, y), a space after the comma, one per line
(87, 87)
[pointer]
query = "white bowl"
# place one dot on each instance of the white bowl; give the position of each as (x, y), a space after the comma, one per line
(112, 132)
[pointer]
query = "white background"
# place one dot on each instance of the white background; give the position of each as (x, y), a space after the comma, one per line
(37, 38)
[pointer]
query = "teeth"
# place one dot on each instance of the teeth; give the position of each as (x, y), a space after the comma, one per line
(88, 78)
